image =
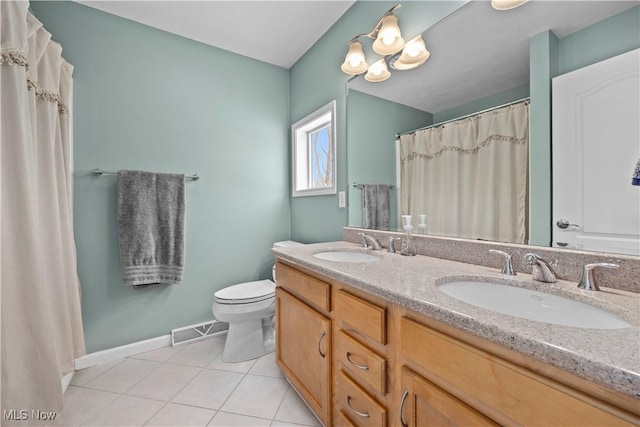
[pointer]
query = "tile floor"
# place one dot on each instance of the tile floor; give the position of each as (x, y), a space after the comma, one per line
(187, 385)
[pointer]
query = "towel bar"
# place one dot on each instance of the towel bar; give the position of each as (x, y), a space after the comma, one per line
(101, 172)
(360, 185)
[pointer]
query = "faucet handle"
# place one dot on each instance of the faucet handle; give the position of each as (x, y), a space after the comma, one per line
(391, 247)
(588, 280)
(507, 267)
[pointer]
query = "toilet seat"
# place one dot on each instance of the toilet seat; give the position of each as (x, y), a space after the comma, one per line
(246, 293)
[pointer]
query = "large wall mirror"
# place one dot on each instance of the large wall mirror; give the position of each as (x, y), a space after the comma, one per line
(480, 59)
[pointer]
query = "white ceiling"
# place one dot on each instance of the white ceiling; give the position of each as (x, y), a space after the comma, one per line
(478, 51)
(277, 32)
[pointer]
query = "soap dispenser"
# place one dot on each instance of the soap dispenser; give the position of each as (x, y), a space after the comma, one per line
(407, 247)
(422, 226)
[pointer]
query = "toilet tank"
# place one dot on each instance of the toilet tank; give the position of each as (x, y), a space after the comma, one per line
(283, 244)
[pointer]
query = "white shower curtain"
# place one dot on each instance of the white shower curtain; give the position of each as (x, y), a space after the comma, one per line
(40, 292)
(470, 176)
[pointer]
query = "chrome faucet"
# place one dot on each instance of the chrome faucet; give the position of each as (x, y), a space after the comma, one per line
(588, 280)
(370, 242)
(541, 270)
(507, 267)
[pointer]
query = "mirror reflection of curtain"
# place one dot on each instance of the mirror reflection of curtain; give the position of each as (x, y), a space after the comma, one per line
(41, 320)
(470, 176)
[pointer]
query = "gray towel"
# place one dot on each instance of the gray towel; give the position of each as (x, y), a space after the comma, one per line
(151, 210)
(376, 210)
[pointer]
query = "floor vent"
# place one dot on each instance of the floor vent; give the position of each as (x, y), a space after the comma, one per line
(198, 332)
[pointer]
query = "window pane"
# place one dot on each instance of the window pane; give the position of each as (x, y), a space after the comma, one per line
(320, 158)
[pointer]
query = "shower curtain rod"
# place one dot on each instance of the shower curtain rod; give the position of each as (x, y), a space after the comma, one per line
(464, 117)
(101, 172)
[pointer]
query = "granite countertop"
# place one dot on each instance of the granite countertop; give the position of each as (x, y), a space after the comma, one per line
(609, 357)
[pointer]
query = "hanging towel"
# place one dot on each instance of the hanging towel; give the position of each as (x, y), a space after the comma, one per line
(635, 178)
(376, 210)
(151, 227)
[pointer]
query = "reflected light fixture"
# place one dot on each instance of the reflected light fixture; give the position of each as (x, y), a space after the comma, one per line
(507, 4)
(389, 43)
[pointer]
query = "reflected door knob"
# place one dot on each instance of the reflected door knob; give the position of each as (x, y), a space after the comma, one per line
(564, 224)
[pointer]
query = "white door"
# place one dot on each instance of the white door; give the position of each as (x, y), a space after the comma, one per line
(596, 143)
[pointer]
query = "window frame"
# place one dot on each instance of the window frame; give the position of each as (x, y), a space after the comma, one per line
(301, 157)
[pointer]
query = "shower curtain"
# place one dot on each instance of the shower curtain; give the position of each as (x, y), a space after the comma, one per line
(470, 176)
(40, 292)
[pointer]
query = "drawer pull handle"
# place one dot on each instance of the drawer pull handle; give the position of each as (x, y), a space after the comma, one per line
(362, 414)
(405, 393)
(363, 367)
(319, 343)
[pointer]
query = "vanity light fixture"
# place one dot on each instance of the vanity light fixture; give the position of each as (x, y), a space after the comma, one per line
(389, 43)
(507, 4)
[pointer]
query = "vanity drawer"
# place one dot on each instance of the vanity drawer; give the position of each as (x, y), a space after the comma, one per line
(343, 420)
(513, 395)
(365, 317)
(363, 410)
(308, 288)
(363, 364)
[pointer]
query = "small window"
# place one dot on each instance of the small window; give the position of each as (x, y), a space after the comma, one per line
(314, 153)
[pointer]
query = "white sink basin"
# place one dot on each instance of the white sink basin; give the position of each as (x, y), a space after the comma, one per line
(533, 305)
(346, 256)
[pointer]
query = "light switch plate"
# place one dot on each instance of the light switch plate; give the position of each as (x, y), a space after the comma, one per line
(342, 199)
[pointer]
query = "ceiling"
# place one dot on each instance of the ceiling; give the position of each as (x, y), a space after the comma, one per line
(276, 32)
(478, 51)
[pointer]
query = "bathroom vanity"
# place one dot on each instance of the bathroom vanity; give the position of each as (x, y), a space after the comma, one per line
(376, 342)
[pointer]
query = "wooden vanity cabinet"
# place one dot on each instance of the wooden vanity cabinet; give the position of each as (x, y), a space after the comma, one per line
(460, 383)
(303, 337)
(425, 404)
(358, 360)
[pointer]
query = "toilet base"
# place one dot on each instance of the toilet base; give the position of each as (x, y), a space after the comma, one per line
(249, 339)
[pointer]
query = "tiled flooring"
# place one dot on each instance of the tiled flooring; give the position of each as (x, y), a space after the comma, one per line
(187, 385)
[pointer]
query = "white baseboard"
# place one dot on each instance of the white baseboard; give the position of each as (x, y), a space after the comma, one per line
(127, 350)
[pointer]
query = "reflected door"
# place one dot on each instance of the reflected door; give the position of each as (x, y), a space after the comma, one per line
(596, 142)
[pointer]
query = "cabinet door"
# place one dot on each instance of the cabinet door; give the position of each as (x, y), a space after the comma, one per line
(303, 351)
(425, 404)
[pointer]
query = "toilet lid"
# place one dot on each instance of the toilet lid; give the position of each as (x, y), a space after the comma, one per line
(244, 293)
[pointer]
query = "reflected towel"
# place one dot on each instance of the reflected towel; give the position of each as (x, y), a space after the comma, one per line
(635, 179)
(376, 211)
(151, 209)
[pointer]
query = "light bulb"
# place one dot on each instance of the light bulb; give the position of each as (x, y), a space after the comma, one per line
(377, 72)
(354, 60)
(388, 37)
(412, 49)
(376, 69)
(389, 40)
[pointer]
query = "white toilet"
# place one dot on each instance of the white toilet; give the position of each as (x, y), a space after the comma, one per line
(249, 308)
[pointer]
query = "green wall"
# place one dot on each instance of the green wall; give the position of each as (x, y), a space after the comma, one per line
(503, 97)
(317, 79)
(373, 123)
(146, 99)
(543, 65)
(605, 39)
